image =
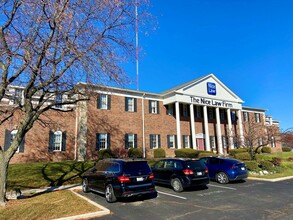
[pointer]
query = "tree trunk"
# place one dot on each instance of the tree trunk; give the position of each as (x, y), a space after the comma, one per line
(3, 177)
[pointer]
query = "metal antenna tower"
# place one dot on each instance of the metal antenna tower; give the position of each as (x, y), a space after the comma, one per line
(136, 44)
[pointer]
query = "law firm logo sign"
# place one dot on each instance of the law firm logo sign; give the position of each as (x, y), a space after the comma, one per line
(211, 87)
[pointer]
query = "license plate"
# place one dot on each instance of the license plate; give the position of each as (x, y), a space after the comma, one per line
(138, 179)
(199, 173)
(242, 168)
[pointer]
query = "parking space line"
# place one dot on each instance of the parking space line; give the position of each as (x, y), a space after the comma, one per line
(168, 194)
(224, 187)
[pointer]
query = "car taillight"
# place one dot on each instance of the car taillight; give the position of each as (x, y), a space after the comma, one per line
(151, 176)
(233, 167)
(123, 179)
(188, 172)
(206, 170)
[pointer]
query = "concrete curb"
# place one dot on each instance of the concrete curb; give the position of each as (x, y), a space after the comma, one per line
(271, 180)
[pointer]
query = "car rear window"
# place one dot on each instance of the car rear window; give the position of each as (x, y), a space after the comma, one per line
(136, 168)
(195, 164)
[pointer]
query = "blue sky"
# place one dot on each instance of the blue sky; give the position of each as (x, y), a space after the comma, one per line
(247, 44)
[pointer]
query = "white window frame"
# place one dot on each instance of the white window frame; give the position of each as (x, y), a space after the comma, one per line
(131, 140)
(154, 107)
(213, 142)
(58, 100)
(155, 141)
(257, 117)
(57, 141)
(245, 117)
(13, 133)
(224, 141)
(186, 141)
(130, 104)
(171, 141)
(170, 110)
(103, 101)
(103, 141)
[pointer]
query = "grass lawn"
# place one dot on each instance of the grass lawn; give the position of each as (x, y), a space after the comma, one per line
(51, 205)
(39, 175)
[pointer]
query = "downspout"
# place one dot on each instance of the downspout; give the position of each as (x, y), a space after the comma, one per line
(76, 128)
(143, 127)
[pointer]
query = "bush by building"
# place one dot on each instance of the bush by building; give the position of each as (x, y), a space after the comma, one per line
(187, 153)
(286, 149)
(266, 165)
(267, 150)
(276, 161)
(135, 153)
(233, 152)
(252, 165)
(105, 153)
(243, 156)
(159, 153)
(206, 154)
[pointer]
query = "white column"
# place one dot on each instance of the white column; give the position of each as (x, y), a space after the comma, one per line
(240, 127)
(230, 131)
(192, 126)
(219, 133)
(178, 125)
(206, 128)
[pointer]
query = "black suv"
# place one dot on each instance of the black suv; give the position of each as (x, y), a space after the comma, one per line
(120, 178)
(181, 173)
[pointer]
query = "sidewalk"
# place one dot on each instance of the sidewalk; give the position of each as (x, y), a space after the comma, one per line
(271, 180)
(72, 188)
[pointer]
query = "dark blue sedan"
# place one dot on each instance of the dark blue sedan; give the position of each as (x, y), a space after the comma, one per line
(224, 170)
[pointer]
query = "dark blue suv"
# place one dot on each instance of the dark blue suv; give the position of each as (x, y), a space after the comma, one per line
(224, 170)
(120, 178)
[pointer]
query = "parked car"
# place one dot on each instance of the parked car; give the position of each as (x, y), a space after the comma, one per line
(120, 178)
(180, 173)
(224, 170)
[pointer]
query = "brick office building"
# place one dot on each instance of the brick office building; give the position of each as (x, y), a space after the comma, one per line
(202, 114)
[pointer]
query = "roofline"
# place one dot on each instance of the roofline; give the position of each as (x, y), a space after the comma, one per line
(254, 109)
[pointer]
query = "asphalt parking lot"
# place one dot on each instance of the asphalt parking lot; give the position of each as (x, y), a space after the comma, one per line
(250, 199)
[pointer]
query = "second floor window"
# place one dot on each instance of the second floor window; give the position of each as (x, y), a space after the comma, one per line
(104, 101)
(58, 100)
(245, 117)
(153, 107)
(257, 117)
(198, 111)
(17, 96)
(130, 104)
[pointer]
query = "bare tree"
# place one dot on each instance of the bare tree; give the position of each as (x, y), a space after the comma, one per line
(48, 46)
(287, 138)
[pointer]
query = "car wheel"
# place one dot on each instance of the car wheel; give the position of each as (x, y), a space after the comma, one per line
(85, 185)
(222, 178)
(176, 185)
(109, 194)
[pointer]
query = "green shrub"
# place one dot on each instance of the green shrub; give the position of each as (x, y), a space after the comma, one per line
(233, 152)
(251, 165)
(159, 153)
(106, 153)
(206, 154)
(266, 165)
(243, 156)
(267, 150)
(276, 161)
(286, 149)
(135, 153)
(187, 152)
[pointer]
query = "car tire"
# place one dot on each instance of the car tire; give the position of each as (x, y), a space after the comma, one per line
(109, 194)
(85, 185)
(222, 178)
(176, 185)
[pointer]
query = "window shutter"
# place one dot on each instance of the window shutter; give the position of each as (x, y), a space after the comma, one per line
(98, 101)
(126, 141)
(168, 141)
(159, 141)
(158, 107)
(167, 109)
(108, 141)
(64, 141)
(135, 140)
(109, 102)
(7, 139)
(181, 109)
(135, 104)
(151, 141)
(126, 104)
(21, 146)
(150, 106)
(176, 141)
(97, 141)
(183, 140)
(51, 141)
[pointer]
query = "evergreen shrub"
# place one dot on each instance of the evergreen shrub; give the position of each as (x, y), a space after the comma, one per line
(159, 153)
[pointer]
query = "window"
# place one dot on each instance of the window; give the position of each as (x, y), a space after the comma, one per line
(102, 141)
(212, 141)
(153, 107)
(155, 141)
(233, 116)
(57, 141)
(245, 116)
(186, 141)
(17, 96)
(259, 141)
(211, 113)
(223, 115)
(224, 141)
(273, 142)
(198, 111)
(170, 109)
(9, 136)
(104, 101)
(130, 141)
(58, 100)
(185, 110)
(257, 117)
(130, 104)
(171, 141)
